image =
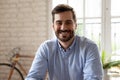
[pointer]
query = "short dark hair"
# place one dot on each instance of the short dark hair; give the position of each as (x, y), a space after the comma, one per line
(62, 8)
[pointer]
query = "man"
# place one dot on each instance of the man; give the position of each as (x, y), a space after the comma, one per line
(68, 57)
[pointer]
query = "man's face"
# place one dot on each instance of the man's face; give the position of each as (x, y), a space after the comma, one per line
(64, 26)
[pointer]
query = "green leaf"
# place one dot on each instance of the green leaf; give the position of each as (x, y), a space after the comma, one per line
(111, 64)
(103, 56)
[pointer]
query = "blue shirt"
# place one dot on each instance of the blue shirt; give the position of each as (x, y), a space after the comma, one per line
(81, 61)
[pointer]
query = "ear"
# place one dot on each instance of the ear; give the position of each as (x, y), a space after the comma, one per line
(53, 26)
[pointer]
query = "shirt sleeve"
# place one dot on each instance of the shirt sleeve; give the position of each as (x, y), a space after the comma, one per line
(39, 65)
(93, 68)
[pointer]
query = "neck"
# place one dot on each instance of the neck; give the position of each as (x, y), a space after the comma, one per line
(65, 45)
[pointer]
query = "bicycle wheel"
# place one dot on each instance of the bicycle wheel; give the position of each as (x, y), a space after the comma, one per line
(5, 70)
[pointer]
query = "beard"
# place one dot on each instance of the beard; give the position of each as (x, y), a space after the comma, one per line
(64, 35)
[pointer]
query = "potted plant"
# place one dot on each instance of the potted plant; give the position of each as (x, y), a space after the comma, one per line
(107, 63)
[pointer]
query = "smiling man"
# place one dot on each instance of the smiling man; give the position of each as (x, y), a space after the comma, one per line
(64, 26)
(68, 57)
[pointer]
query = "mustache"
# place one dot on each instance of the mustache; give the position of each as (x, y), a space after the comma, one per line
(60, 31)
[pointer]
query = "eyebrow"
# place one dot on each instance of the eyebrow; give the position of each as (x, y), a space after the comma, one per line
(58, 20)
(69, 20)
(61, 20)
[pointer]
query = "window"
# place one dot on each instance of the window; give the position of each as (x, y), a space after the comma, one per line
(115, 26)
(99, 20)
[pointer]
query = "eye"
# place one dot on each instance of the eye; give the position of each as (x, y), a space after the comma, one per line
(59, 23)
(68, 22)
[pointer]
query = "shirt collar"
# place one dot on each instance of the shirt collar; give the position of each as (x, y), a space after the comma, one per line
(70, 47)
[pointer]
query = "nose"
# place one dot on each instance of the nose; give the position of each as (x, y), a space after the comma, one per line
(63, 26)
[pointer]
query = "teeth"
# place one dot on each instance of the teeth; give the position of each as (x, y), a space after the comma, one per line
(64, 31)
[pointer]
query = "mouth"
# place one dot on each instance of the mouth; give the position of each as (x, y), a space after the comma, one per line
(64, 31)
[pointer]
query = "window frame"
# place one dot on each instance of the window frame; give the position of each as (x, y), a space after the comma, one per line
(105, 24)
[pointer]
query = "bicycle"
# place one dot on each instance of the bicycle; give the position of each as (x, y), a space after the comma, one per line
(10, 71)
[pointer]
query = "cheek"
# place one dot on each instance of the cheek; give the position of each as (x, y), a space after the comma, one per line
(75, 27)
(72, 28)
(55, 28)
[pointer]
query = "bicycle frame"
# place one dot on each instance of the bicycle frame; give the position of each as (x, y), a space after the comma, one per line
(15, 61)
(15, 67)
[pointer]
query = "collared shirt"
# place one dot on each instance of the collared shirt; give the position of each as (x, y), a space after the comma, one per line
(81, 61)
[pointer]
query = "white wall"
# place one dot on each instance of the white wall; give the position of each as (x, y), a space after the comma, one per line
(24, 24)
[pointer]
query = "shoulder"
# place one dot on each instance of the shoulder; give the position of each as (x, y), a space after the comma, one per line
(83, 39)
(48, 44)
(85, 42)
(47, 47)
(88, 47)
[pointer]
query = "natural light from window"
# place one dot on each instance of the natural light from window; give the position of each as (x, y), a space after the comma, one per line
(94, 24)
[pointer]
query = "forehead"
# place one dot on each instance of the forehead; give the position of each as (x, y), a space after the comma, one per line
(67, 15)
